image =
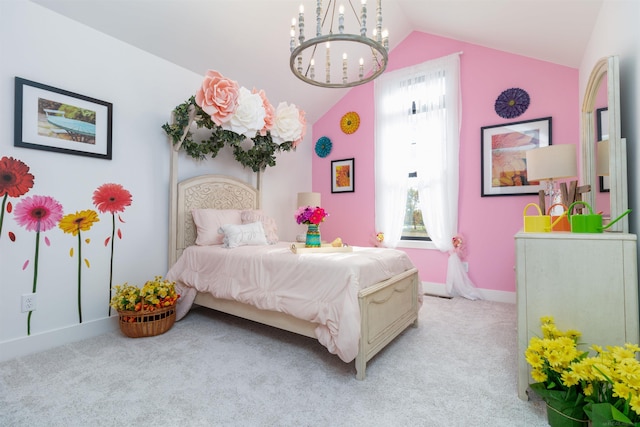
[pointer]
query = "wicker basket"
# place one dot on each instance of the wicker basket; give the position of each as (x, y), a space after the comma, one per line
(137, 324)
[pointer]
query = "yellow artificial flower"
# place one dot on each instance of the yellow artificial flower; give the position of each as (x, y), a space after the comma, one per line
(79, 221)
(635, 403)
(538, 375)
(547, 319)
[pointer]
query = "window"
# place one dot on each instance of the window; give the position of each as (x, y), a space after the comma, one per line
(412, 128)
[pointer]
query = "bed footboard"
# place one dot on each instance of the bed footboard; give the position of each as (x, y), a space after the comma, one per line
(386, 310)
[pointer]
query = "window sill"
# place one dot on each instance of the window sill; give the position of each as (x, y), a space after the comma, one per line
(416, 244)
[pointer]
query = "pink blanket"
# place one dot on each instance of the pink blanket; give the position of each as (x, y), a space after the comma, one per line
(321, 287)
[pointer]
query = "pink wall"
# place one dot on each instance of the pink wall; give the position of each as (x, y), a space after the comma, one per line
(488, 224)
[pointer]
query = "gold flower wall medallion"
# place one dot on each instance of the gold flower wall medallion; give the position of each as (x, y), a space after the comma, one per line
(350, 122)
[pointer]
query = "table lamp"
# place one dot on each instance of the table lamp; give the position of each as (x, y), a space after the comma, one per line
(308, 199)
(549, 164)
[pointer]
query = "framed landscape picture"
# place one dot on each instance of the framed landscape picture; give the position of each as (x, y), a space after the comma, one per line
(51, 119)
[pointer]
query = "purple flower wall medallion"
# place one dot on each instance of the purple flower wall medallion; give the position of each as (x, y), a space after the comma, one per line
(511, 103)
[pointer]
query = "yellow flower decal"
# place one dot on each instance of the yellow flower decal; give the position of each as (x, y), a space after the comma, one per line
(79, 221)
(350, 122)
(74, 224)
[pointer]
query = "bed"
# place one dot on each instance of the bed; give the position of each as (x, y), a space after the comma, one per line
(384, 308)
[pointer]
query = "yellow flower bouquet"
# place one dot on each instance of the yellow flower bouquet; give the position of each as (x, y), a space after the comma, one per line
(611, 384)
(551, 358)
(155, 294)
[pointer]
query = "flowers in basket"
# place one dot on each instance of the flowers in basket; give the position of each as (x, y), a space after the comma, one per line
(310, 215)
(551, 358)
(611, 384)
(155, 294)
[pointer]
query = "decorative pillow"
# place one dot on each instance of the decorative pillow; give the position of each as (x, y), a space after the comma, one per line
(241, 235)
(268, 223)
(209, 221)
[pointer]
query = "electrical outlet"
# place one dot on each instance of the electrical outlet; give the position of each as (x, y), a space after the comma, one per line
(28, 302)
(465, 265)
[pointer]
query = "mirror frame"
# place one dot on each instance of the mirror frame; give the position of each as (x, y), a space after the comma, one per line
(610, 67)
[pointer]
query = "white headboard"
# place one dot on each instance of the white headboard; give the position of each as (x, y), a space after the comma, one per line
(201, 192)
(205, 192)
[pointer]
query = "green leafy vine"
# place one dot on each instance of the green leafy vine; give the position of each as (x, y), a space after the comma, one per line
(260, 155)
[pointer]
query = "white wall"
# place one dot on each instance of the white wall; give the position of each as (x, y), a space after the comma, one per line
(617, 33)
(45, 47)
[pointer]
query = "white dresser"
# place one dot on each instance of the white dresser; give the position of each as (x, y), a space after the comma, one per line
(587, 282)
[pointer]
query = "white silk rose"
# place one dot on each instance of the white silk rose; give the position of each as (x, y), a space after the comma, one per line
(287, 125)
(249, 117)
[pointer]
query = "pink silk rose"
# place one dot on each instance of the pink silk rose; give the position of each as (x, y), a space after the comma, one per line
(303, 122)
(269, 112)
(218, 97)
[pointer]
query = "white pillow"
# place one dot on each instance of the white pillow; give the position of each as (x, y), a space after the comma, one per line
(268, 223)
(241, 235)
(209, 221)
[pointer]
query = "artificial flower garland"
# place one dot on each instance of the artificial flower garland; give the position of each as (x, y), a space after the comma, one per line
(235, 114)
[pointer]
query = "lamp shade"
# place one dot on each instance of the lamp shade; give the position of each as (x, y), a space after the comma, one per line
(602, 159)
(552, 162)
(308, 199)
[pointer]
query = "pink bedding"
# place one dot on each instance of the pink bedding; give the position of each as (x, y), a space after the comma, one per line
(318, 287)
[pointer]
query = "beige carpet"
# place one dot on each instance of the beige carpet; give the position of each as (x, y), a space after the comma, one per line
(458, 368)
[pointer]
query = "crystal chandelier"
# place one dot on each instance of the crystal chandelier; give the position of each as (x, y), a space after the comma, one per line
(327, 60)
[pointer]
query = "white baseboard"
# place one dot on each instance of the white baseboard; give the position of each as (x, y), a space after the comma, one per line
(50, 339)
(439, 289)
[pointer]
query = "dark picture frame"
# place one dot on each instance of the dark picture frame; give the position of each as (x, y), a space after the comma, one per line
(52, 119)
(503, 156)
(343, 176)
(602, 123)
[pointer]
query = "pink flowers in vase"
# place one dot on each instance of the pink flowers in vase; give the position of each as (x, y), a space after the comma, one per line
(310, 215)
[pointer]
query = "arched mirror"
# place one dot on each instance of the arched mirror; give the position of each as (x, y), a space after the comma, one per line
(594, 152)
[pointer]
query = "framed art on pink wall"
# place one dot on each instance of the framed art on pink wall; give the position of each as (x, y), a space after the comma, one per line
(342, 176)
(52, 119)
(503, 156)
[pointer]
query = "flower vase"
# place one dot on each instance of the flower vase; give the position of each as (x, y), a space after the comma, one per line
(557, 418)
(313, 236)
(604, 414)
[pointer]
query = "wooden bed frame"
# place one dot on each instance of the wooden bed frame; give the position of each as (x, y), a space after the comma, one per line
(386, 308)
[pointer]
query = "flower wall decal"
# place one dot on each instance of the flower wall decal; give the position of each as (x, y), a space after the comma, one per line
(74, 224)
(39, 214)
(111, 198)
(511, 103)
(323, 146)
(15, 181)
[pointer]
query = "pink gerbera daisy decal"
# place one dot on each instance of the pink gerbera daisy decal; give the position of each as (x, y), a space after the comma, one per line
(39, 214)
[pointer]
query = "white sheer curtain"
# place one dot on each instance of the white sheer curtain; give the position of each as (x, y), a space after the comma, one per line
(422, 101)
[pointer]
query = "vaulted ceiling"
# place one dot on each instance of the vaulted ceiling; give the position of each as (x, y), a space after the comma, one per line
(248, 40)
